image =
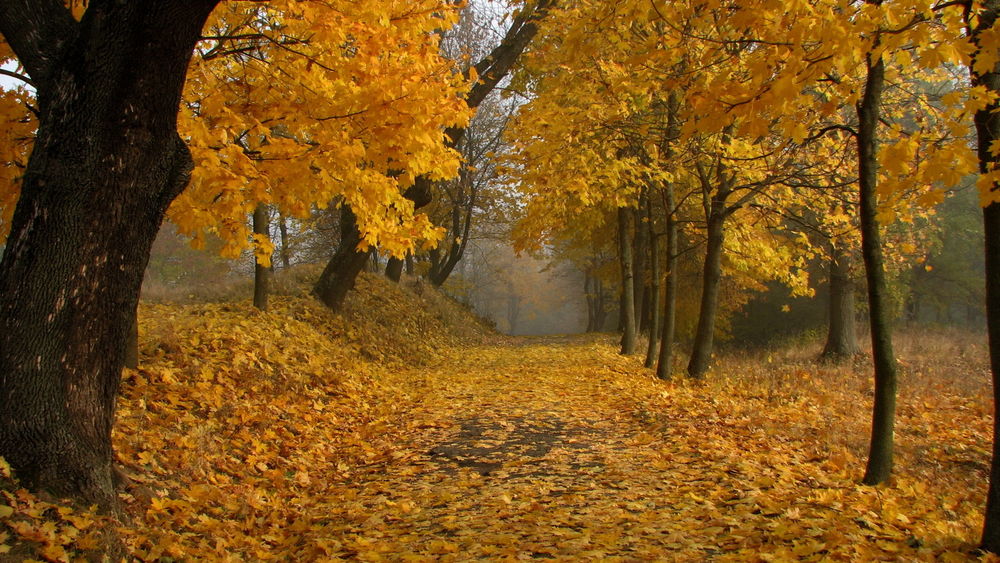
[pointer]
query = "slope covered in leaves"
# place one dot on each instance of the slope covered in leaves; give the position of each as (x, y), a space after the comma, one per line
(302, 435)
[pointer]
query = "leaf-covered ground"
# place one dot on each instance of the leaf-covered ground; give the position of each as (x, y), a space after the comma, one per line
(300, 435)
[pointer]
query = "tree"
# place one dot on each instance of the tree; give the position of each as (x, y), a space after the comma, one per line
(985, 74)
(106, 163)
(261, 269)
(338, 276)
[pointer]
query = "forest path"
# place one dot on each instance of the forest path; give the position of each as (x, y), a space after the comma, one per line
(525, 452)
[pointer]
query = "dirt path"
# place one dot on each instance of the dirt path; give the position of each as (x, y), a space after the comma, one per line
(529, 461)
(561, 449)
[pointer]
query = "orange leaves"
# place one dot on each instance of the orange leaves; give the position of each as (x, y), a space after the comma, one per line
(17, 130)
(49, 530)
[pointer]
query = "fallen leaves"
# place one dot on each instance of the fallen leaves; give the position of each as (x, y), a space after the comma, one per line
(272, 437)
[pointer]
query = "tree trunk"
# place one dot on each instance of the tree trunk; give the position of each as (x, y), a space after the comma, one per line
(491, 70)
(394, 269)
(601, 314)
(665, 364)
(884, 408)
(640, 254)
(701, 353)
(409, 263)
(841, 336)
(261, 273)
(987, 122)
(654, 289)
(625, 220)
(107, 162)
(591, 296)
(342, 270)
(286, 254)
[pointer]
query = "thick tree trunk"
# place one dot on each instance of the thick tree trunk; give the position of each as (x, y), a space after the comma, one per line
(625, 220)
(841, 336)
(884, 408)
(987, 122)
(991, 218)
(261, 273)
(342, 270)
(106, 164)
(394, 269)
(701, 352)
(665, 364)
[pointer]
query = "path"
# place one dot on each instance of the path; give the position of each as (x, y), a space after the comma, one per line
(561, 449)
(531, 462)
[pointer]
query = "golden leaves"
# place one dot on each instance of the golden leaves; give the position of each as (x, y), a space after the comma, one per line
(331, 100)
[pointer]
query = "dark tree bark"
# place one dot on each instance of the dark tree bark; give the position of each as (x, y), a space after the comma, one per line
(107, 162)
(841, 336)
(640, 265)
(884, 409)
(261, 273)
(654, 288)
(589, 292)
(701, 352)
(462, 205)
(286, 253)
(626, 218)
(342, 270)
(987, 122)
(664, 366)
(394, 269)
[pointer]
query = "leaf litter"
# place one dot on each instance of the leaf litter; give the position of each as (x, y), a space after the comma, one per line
(303, 435)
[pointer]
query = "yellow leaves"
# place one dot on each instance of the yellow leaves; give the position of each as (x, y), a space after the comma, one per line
(300, 127)
(47, 530)
(987, 52)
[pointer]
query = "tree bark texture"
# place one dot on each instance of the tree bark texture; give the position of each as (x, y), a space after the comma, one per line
(107, 162)
(879, 464)
(665, 363)
(987, 121)
(704, 338)
(342, 270)
(261, 273)
(626, 218)
(841, 336)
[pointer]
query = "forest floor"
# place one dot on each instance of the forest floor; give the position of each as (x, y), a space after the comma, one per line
(305, 436)
(555, 449)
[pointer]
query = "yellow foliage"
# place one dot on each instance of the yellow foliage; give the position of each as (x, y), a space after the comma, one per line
(327, 102)
(270, 437)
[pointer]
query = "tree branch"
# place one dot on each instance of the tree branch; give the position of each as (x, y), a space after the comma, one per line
(20, 77)
(36, 31)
